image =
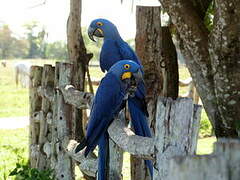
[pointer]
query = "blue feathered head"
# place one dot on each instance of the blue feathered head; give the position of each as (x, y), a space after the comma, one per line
(127, 70)
(102, 28)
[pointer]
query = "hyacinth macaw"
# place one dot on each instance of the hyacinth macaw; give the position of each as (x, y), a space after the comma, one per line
(113, 50)
(119, 82)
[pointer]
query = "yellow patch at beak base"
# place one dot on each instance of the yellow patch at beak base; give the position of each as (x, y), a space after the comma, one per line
(126, 75)
(100, 31)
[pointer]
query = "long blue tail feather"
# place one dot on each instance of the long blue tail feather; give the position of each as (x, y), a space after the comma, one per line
(103, 156)
(140, 124)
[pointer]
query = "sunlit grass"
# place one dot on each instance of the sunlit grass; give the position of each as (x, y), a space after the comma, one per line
(13, 145)
(205, 145)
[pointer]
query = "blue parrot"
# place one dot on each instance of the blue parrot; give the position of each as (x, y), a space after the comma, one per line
(119, 82)
(113, 50)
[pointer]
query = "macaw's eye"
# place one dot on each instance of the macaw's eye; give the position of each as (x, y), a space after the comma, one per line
(99, 23)
(127, 66)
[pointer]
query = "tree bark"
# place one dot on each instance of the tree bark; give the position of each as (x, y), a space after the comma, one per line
(170, 65)
(224, 50)
(212, 59)
(148, 47)
(79, 57)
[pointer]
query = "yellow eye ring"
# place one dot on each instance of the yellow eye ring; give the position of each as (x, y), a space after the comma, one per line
(127, 66)
(99, 23)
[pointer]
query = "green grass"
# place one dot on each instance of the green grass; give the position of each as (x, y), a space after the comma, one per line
(13, 145)
(14, 100)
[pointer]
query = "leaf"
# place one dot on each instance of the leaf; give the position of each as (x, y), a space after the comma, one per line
(14, 172)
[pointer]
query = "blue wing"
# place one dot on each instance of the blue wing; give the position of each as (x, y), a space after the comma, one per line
(116, 50)
(112, 51)
(107, 103)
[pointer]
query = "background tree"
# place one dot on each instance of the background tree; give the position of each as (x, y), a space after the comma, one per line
(212, 57)
(10, 45)
(36, 37)
(57, 50)
(80, 59)
(6, 41)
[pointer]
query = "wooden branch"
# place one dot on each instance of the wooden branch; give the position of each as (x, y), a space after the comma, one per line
(142, 147)
(81, 100)
(88, 165)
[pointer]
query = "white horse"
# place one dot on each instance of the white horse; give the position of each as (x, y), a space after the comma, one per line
(22, 73)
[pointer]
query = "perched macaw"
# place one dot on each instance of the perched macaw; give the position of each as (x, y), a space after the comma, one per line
(113, 50)
(120, 81)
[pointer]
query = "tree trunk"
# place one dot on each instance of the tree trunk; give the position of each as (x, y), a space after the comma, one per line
(148, 47)
(170, 65)
(213, 59)
(79, 57)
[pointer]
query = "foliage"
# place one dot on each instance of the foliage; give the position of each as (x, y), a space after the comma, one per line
(23, 171)
(205, 126)
(208, 20)
(57, 50)
(11, 46)
(33, 45)
(36, 37)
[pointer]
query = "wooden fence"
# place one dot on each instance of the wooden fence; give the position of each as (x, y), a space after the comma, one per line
(52, 142)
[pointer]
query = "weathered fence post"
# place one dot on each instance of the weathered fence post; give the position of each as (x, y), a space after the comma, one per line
(230, 150)
(223, 164)
(45, 132)
(35, 107)
(176, 132)
(207, 167)
(62, 125)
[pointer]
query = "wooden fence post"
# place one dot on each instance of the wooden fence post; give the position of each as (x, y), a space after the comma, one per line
(230, 150)
(35, 107)
(223, 164)
(62, 125)
(45, 136)
(207, 167)
(176, 132)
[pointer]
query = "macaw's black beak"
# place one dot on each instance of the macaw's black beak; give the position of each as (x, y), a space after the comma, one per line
(94, 32)
(138, 76)
(135, 79)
